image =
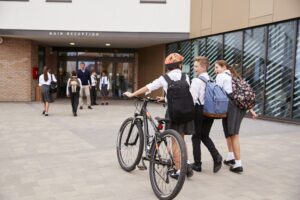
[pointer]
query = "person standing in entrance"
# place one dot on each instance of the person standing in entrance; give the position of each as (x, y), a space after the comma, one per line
(94, 88)
(85, 77)
(104, 87)
(44, 82)
(73, 89)
(202, 124)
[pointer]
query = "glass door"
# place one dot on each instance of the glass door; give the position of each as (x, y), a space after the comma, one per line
(123, 78)
(108, 68)
(64, 73)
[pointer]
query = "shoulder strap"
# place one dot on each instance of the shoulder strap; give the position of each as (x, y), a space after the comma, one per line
(51, 77)
(167, 78)
(203, 79)
(228, 74)
(183, 76)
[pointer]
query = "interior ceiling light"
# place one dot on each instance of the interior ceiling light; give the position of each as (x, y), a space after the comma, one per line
(72, 43)
(107, 44)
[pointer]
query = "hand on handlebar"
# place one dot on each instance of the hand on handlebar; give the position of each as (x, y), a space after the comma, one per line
(128, 94)
(160, 99)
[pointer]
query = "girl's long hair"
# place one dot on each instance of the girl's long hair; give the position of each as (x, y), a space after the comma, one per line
(223, 63)
(45, 72)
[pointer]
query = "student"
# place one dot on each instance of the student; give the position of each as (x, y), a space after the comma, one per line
(232, 123)
(94, 89)
(173, 62)
(44, 82)
(73, 89)
(104, 87)
(202, 123)
(85, 77)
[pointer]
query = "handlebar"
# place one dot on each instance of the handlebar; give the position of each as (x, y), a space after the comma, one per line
(148, 99)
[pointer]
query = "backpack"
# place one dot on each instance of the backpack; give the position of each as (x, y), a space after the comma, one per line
(215, 100)
(180, 101)
(53, 85)
(74, 85)
(242, 94)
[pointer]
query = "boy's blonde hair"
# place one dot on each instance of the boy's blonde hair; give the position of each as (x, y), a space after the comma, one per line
(202, 60)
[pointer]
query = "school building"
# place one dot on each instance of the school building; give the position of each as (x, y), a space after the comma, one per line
(129, 39)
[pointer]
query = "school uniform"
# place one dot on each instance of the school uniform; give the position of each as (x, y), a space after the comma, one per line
(93, 89)
(232, 123)
(104, 86)
(175, 75)
(202, 124)
(46, 96)
(74, 96)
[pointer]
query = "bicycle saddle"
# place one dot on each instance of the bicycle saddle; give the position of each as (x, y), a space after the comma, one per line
(162, 120)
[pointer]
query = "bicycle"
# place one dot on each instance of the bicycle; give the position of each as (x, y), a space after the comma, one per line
(159, 150)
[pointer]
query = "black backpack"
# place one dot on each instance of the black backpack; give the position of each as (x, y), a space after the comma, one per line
(180, 101)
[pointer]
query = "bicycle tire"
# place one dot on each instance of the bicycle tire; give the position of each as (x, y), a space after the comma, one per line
(130, 166)
(183, 156)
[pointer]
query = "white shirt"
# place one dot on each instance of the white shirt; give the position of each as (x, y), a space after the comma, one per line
(43, 82)
(68, 84)
(104, 81)
(225, 81)
(174, 75)
(198, 88)
(94, 80)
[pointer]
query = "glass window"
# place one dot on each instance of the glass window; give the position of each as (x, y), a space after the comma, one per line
(185, 51)
(62, 53)
(281, 41)
(254, 63)
(296, 103)
(172, 48)
(233, 50)
(89, 54)
(198, 49)
(214, 47)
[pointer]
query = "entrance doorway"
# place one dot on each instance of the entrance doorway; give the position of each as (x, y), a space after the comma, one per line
(119, 69)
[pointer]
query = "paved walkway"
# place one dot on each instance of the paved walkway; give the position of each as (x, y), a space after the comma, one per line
(61, 157)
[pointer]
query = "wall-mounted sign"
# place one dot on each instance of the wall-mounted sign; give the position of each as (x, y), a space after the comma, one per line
(69, 1)
(74, 33)
(153, 1)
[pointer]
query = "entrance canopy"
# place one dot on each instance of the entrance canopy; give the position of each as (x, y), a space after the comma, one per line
(95, 38)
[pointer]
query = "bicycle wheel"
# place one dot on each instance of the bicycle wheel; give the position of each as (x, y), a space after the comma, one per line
(169, 151)
(130, 144)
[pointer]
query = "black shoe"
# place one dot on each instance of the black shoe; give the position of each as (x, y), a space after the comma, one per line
(46, 114)
(217, 163)
(80, 107)
(196, 167)
(75, 114)
(106, 103)
(236, 169)
(175, 174)
(189, 171)
(229, 162)
(96, 104)
(102, 104)
(89, 107)
(43, 112)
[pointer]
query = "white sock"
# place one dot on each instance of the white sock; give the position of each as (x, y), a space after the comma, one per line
(238, 163)
(188, 162)
(230, 156)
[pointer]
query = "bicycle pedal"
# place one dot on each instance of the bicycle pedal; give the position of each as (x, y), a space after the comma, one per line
(141, 167)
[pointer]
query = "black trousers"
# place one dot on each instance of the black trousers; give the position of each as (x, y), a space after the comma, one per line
(93, 95)
(74, 101)
(202, 129)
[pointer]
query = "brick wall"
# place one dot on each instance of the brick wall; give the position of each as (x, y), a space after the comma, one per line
(15, 70)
